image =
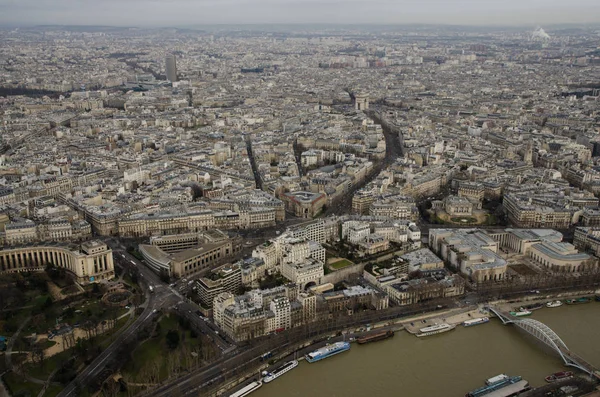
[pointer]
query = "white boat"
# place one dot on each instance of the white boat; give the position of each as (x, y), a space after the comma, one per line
(521, 313)
(271, 376)
(327, 351)
(476, 321)
(435, 329)
(554, 304)
(247, 390)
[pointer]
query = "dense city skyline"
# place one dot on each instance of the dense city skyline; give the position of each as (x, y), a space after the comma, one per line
(196, 210)
(189, 13)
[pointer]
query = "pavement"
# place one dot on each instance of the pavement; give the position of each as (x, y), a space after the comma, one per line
(11, 343)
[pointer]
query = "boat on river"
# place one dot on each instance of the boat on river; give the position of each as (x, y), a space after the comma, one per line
(532, 307)
(558, 376)
(521, 313)
(435, 329)
(271, 376)
(375, 337)
(327, 351)
(496, 383)
(247, 390)
(476, 321)
(554, 304)
(578, 301)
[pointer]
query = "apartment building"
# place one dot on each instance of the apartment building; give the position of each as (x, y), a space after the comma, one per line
(226, 278)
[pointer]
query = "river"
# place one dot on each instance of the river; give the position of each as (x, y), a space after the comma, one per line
(444, 365)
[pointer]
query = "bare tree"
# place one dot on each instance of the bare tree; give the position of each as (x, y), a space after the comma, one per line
(172, 363)
(111, 388)
(155, 372)
(68, 340)
(38, 355)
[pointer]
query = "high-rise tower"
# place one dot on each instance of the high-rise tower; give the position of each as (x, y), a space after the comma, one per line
(171, 67)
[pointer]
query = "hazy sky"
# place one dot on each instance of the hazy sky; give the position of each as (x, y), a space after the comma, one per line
(192, 12)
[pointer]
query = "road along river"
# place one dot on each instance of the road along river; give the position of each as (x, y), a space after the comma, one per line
(444, 365)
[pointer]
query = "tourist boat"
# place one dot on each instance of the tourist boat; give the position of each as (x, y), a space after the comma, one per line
(577, 301)
(521, 313)
(286, 367)
(375, 337)
(496, 383)
(247, 390)
(435, 329)
(558, 376)
(554, 304)
(476, 321)
(327, 351)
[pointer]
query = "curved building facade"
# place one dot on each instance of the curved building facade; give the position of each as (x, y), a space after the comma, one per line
(91, 262)
(156, 258)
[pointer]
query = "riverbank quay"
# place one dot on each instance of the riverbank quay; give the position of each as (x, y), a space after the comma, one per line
(243, 360)
(536, 298)
(581, 387)
(413, 323)
(454, 317)
(242, 363)
(298, 352)
(351, 334)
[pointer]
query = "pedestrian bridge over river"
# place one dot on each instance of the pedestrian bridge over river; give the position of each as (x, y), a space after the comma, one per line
(548, 337)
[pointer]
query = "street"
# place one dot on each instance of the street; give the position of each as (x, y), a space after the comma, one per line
(162, 297)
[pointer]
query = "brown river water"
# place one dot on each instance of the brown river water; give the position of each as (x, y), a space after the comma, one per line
(444, 365)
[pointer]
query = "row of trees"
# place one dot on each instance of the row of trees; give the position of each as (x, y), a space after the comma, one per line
(246, 362)
(179, 357)
(541, 281)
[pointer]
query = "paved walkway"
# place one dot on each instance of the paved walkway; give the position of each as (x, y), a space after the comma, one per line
(48, 382)
(9, 353)
(11, 343)
(3, 391)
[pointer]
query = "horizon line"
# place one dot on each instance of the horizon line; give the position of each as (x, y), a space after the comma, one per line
(357, 24)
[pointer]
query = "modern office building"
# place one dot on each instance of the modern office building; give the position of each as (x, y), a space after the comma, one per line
(165, 255)
(227, 278)
(171, 67)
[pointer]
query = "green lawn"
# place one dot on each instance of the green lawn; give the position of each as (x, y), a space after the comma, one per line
(16, 384)
(106, 338)
(53, 390)
(46, 344)
(341, 264)
(152, 350)
(50, 364)
(10, 325)
(39, 301)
